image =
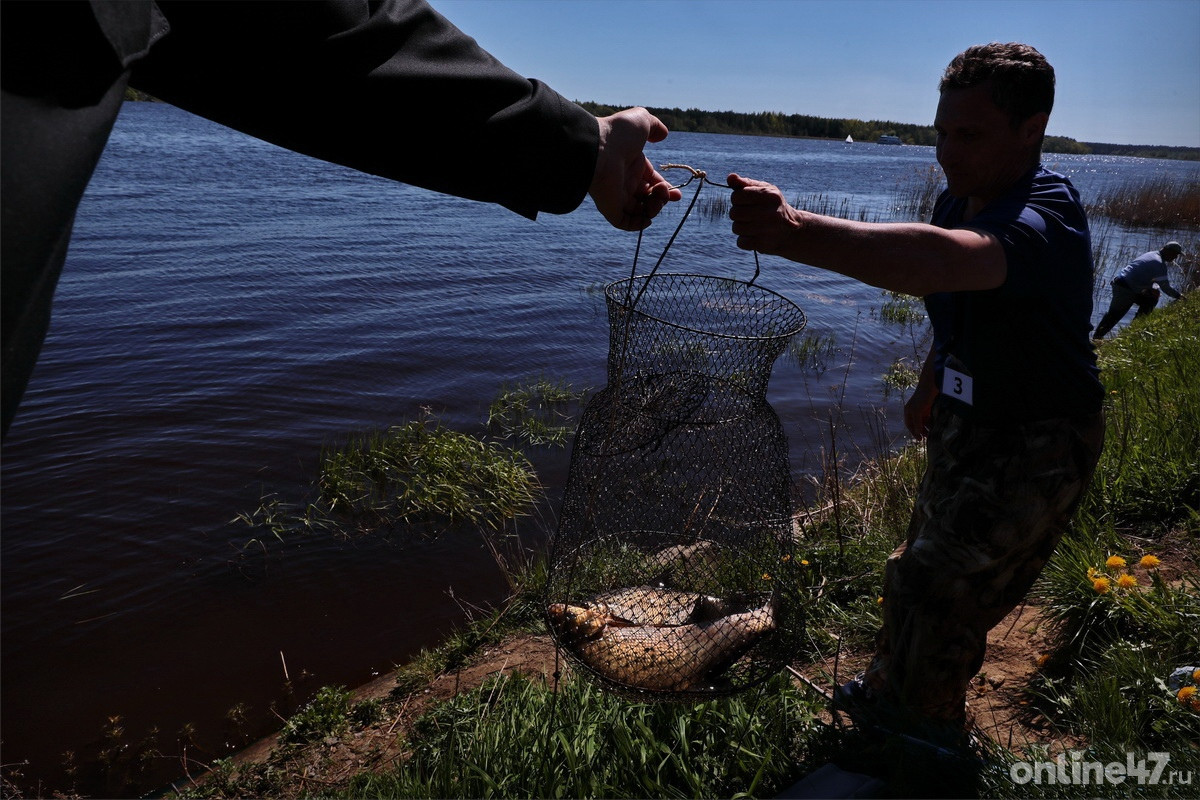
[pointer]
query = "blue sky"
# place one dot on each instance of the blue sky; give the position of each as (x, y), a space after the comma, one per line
(1128, 70)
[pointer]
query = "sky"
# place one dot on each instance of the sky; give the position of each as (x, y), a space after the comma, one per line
(1128, 71)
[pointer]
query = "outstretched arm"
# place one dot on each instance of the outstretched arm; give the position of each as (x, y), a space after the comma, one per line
(914, 258)
(393, 88)
(1168, 289)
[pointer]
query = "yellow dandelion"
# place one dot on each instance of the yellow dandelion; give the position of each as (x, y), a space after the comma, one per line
(1186, 695)
(1043, 660)
(1101, 585)
(786, 557)
(766, 576)
(1126, 581)
(1149, 562)
(1091, 573)
(1115, 562)
(1196, 676)
(878, 601)
(804, 562)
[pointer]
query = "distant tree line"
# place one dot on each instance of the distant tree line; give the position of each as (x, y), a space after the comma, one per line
(771, 123)
(1145, 151)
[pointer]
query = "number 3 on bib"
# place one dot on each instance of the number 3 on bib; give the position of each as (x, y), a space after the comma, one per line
(957, 385)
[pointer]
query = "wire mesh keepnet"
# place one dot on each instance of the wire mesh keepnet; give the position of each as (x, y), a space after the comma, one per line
(672, 574)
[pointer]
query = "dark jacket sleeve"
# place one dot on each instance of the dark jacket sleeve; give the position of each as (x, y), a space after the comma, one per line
(389, 88)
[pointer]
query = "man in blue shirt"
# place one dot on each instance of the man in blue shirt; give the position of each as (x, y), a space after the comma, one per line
(1009, 397)
(1135, 284)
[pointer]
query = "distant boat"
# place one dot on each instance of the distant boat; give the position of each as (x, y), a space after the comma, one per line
(849, 140)
(889, 139)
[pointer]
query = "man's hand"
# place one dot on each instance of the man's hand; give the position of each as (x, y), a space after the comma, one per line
(918, 410)
(919, 407)
(626, 188)
(762, 219)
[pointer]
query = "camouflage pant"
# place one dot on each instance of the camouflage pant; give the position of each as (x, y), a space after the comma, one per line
(992, 506)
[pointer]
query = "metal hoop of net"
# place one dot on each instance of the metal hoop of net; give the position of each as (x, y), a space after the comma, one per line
(672, 574)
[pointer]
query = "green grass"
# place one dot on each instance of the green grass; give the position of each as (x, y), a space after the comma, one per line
(917, 192)
(811, 351)
(1150, 468)
(823, 204)
(421, 472)
(1120, 626)
(1157, 202)
(860, 521)
(1095, 607)
(327, 714)
(516, 737)
(1105, 681)
(535, 413)
(901, 376)
(522, 613)
(414, 478)
(901, 309)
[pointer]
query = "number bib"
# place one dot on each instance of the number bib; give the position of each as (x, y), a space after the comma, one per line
(957, 385)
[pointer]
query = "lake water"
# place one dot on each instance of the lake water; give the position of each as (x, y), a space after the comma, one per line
(229, 307)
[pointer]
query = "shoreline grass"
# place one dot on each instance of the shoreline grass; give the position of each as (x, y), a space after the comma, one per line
(1105, 682)
(513, 737)
(1157, 202)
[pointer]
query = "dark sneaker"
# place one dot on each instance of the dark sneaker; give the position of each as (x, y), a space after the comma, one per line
(859, 702)
(853, 692)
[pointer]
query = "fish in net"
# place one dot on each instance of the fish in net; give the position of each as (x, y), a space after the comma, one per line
(672, 571)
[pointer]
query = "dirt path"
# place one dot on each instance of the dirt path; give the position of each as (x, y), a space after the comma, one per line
(998, 701)
(998, 695)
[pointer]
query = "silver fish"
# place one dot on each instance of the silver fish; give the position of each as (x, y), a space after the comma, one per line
(659, 657)
(688, 558)
(656, 605)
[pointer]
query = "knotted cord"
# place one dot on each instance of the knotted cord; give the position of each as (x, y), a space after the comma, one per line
(696, 174)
